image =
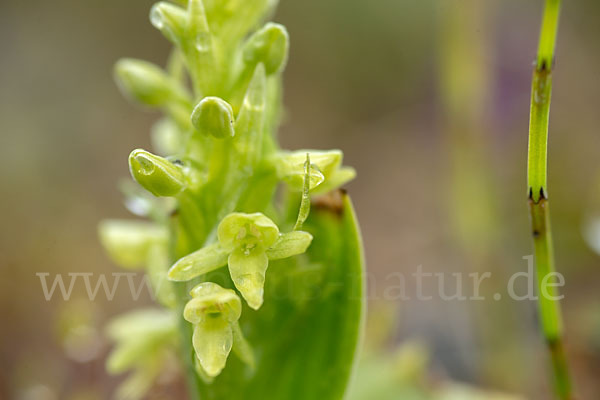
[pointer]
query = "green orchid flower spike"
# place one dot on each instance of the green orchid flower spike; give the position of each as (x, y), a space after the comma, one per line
(220, 191)
(246, 242)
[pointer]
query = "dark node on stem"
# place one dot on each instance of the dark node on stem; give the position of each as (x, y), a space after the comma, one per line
(542, 195)
(553, 343)
(536, 233)
(545, 66)
(332, 202)
(177, 162)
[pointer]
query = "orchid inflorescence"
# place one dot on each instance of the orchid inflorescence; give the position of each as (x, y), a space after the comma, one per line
(213, 177)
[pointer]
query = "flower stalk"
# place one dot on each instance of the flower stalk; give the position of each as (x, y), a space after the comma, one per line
(549, 307)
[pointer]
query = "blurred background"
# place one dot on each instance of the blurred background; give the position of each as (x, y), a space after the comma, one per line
(428, 99)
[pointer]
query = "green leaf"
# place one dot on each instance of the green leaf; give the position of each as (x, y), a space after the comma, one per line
(307, 332)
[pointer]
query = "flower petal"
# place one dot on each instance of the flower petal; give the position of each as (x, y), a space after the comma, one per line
(290, 244)
(338, 178)
(197, 263)
(212, 340)
(248, 274)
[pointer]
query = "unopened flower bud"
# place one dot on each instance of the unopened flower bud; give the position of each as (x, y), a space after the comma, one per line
(146, 83)
(169, 19)
(269, 46)
(213, 116)
(156, 174)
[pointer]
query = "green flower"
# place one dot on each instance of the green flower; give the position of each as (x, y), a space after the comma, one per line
(135, 244)
(143, 340)
(129, 242)
(326, 172)
(246, 242)
(214, 312)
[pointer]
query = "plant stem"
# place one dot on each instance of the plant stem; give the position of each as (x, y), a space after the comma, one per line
(549, 307)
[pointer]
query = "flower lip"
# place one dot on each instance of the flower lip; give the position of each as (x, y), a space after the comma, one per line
(210, 300)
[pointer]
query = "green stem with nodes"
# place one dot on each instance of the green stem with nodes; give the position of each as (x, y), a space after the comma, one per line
(549, 307)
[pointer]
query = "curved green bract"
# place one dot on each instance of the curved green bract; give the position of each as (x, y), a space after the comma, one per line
(306, 335)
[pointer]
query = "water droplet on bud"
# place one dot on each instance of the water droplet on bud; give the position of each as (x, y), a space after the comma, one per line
(146, 166)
